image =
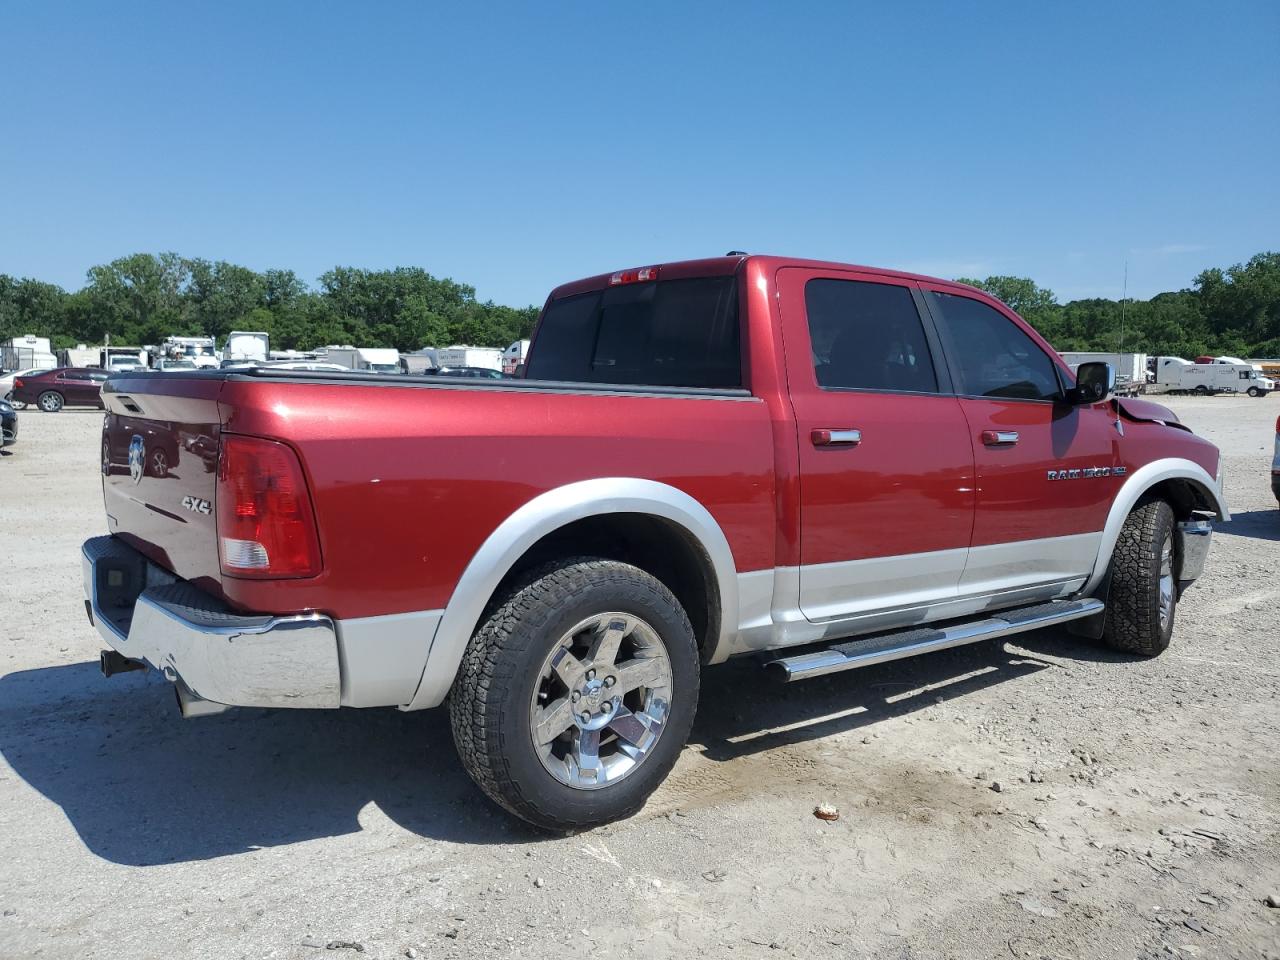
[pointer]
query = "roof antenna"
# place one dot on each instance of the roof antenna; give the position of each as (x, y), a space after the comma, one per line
(1124, 295)
(736, 253)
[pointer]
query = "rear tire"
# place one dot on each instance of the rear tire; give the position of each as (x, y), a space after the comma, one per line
(50, 401)
(1143, 597)
(1201, 390)
(544, 712)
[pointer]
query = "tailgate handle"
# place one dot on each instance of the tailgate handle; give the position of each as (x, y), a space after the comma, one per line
(835, 438)
(999, 438)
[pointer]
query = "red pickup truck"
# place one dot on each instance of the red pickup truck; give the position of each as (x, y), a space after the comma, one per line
(823, 465)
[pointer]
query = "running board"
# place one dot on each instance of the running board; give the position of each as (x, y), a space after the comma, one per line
(852, 654)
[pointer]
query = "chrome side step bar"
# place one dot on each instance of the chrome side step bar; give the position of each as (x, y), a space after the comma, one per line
(851, 654)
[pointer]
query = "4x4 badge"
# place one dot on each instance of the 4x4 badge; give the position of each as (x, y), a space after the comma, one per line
(196, 505)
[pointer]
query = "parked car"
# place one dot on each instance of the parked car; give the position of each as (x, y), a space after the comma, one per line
(821, 465)
(474, 373)
(51, 390)
(171, 364)
(8, 423)
(6, 385)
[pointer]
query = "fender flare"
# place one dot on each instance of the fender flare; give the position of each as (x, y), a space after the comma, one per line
(545, 514)
(1138, 483)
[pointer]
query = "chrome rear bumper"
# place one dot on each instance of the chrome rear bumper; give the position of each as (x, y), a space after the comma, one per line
(199, 643)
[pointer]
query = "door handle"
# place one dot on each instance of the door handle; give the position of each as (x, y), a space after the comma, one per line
(999, 438)
(836, 438)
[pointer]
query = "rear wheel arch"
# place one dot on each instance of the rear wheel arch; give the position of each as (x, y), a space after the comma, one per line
(576, 514)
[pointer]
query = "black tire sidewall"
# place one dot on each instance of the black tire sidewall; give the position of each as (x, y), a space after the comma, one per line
(637, 596)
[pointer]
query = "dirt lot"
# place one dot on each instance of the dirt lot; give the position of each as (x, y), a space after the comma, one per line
(1137, 813)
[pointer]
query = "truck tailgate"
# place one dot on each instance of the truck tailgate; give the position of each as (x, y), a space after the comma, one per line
(159, 462)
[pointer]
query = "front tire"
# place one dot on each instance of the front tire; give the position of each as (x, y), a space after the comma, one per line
(50, 401)
(1256, 392)
(577, 694)
(1143, 597)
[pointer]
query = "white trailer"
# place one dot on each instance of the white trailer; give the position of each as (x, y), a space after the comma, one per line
(27, 353)
(375, 359)
(1176, 375)
(487, 358)
(81, 356)
(252, 345)
(1131, 368)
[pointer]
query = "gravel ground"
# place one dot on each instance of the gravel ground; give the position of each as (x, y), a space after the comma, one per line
(1043, 798)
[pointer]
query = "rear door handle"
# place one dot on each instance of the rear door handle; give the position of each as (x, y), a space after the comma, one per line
(836, 438)
(999, 438)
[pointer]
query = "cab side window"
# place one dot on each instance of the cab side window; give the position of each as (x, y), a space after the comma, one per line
(990, 355)
(867, 336)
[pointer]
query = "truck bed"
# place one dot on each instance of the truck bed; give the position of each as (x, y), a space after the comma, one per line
(408, 475)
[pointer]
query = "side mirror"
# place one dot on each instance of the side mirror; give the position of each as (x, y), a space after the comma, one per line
(1095, 383)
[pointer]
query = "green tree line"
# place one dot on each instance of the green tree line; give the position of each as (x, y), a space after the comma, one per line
(1233, 311)
(143, 298)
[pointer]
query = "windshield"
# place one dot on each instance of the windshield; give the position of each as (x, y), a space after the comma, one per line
(385, 367)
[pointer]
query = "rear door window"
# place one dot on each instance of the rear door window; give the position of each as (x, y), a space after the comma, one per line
(671, 333)
(991, 356)
(867, 336)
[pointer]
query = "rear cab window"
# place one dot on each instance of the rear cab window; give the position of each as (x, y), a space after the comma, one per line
(664, 333)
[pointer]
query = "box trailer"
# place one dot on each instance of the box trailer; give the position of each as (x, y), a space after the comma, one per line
(488, 358)
(243, 345)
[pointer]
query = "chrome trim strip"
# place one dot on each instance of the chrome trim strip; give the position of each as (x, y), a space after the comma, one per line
(543, 515)
(881, 650)
(1138, 483)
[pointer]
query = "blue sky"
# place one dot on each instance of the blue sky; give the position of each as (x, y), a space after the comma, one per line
(516, 147)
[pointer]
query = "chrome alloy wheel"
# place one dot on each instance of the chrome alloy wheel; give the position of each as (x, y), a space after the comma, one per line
(1166, 584)
(601, 700)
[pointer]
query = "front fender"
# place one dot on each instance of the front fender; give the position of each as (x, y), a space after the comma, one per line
(1138, 483)
(543, 515)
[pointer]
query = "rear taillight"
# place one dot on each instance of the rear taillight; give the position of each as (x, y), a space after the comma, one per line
(266, 527)
(642, 275)
(17, 382)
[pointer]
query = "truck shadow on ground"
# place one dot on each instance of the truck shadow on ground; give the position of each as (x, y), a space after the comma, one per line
(1258, 524)
(142, 787)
